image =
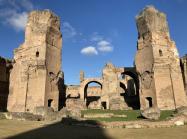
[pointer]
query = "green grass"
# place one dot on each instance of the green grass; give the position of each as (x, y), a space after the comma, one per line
(112, 119)
(132, 115)
(166, 114)
(119, 112)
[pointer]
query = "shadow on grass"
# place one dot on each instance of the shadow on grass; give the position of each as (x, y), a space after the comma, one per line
(68, 128)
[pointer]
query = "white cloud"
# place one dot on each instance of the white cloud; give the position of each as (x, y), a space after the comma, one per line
(89, 50)
(105, 46)
(98, 45)
(14, 13)
(18, 21)
(68, 31)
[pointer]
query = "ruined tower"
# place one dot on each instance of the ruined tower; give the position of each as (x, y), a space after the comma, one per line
(157, 63)
(36, 73)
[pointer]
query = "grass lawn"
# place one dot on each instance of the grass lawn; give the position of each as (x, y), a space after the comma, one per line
(131, 115)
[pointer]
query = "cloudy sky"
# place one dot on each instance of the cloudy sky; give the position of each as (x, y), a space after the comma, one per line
(94, 31)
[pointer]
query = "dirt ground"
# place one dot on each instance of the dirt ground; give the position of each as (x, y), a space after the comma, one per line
(10, 129)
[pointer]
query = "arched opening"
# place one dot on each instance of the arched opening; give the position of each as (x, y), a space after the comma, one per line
(130, 89)
(149, 102)
(92, 94)
(160, 52)
(50, 102)
(183, 66)
(37, 54)
(104, 104)
(5, 66)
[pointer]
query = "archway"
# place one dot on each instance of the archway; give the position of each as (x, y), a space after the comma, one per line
(130, 86)
(5, 67)
(134, 76)
(92, 94)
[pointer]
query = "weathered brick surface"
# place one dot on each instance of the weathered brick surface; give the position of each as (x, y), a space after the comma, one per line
(36, 75)
(157, 63)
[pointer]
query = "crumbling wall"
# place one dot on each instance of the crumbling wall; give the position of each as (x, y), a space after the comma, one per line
(113, 91)
(92, 99)
(157, 63)
(5, 66)
(81, 76)
(34, 80)
(94, 91)
(72, 91)
(110, 97)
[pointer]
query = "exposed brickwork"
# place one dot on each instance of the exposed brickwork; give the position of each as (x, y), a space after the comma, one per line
(157, 63)
(36, 75)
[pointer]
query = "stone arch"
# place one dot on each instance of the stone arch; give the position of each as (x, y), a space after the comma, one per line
(131, 98)
(84, 85)
(133, 75)
(122, 85)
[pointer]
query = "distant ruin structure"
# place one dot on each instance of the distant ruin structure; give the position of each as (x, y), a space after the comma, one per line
(36, 74)
(111, 98)
(157, 63)
(33, 80)
(115, 89)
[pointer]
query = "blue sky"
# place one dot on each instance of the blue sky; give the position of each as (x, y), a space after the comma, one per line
(94, 31)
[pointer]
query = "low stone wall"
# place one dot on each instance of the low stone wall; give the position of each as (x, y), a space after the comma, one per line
(176, 121)
(23, 116)
(74, 117)
(42, 114)
(72, 104)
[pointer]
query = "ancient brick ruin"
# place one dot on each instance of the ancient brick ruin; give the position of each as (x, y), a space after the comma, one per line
(36, 80)
(119, 87)
(117, 90)
(36, 74)
(157, 63)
